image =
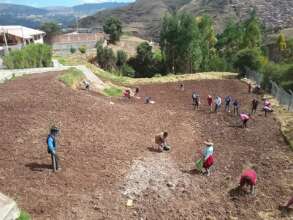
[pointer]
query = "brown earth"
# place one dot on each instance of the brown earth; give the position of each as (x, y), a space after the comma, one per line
(106, 154)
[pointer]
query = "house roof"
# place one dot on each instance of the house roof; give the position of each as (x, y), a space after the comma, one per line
(20, 31)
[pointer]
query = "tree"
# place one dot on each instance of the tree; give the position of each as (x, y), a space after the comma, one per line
(105, 57)
(113, 27)
(252, 32)
(248, 58)
(51, 29)
(180, 43)
(282, 42)
(121, 58)
(143, 62)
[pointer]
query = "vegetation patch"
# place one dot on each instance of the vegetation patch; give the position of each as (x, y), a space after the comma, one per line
(24, 216)
(113, 91)
(72, 77)
(31, 56)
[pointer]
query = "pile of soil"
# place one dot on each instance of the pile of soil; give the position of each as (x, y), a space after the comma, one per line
(107, 155)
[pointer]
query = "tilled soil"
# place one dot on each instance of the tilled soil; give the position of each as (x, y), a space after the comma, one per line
(107, 155)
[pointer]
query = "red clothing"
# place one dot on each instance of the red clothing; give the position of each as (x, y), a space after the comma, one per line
(248, 174)
(208, 162)
(210, 100)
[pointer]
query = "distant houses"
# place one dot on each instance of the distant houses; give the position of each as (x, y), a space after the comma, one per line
(15, 37)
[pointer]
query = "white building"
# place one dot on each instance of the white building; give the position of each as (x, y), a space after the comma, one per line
(15, 37)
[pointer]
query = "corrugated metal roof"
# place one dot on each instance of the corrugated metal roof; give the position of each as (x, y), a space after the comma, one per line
(21, 31)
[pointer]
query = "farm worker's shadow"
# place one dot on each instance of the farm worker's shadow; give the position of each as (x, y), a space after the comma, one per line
(38, 167)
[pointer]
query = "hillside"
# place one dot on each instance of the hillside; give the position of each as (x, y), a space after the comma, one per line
(143, 16)
(11, 14)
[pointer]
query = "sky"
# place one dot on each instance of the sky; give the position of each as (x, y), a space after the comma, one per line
(48, 3)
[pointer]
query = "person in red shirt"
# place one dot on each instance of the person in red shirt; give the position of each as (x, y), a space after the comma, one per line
(210, 102)
(248, 178)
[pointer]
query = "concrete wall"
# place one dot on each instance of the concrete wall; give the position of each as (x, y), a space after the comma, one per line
(8, 74)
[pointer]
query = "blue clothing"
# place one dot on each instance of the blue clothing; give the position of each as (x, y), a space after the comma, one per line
(51, 142)
(208, 151)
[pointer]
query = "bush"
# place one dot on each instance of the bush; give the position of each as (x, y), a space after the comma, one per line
(248, 58)
(72, 50)
(113, 91)
(127, 70)
(24, 216)
(72, 77)
(218, 64)
(31, 56)
(82, 49)
(121, 58)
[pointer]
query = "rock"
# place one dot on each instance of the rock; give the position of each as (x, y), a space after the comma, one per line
(129, 203)
(169, 184)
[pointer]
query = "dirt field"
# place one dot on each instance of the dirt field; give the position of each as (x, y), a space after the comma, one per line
(107, 157)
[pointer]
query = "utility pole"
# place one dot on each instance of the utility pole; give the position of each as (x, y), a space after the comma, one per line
(5, 40)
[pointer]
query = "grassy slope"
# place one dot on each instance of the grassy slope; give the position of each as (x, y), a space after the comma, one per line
(71, 77)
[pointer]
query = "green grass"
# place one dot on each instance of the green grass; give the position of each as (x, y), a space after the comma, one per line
(71, 77)
(113, 91)
(24, 216)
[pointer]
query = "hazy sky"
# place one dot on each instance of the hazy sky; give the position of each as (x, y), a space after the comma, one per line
(46, 3)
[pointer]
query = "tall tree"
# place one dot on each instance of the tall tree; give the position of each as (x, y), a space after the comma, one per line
(252, 32)
(180, 43)
(113, 27)
(51, 29)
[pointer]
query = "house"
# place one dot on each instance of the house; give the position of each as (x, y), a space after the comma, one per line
(63, 43)
(15, 37)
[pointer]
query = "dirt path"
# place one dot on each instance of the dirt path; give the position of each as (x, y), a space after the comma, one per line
(106, 154)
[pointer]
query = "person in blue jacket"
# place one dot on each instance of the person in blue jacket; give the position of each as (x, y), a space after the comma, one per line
(52, 148)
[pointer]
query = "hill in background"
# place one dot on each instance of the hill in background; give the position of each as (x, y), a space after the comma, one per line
(11, 14)
(143, 16)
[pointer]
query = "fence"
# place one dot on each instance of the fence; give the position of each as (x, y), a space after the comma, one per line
(284, 98)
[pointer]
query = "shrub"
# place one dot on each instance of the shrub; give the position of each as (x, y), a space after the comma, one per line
(72, 50)
(113, 91)
(72, 77)
(24, 216)
(127, 71)
(121, 58)
(31, 56)
(248, 58)
(82, 49)
(105, 57)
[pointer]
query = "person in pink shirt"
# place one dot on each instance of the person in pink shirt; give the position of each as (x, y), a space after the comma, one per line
(244, 118)
(267, 107)
(248, 178)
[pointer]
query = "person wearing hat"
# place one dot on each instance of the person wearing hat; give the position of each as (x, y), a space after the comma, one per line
(228, 100)
(248, 178)
(210, 102)
(52, 148)
(208, 159)
(160, 140)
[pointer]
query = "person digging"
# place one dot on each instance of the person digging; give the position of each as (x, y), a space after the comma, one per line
(254, 105)
(244, 118)
(195, 100)
(52, 148)
(207, 159)
(161, 141)
(248, 179)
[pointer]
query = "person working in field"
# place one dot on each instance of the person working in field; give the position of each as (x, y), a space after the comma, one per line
(161, 141)
(195, 100)
(267, 107)
(207, 155)
(52, 148)
(127, 93)
(236, 106)
(290, 203)
(136, 91)
(210, 102)
(244, 117)
(248, 178)
(218, 103)
(228, 100)
(254, 105)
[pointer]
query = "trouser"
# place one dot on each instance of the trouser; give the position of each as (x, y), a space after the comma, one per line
(227, 107)
(245, 123)
(55, 162)
(217, 108)
(236, 111)
(253, 111)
